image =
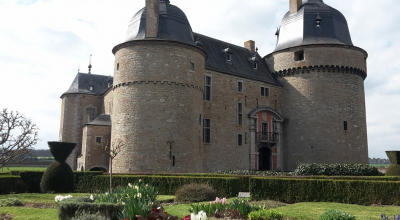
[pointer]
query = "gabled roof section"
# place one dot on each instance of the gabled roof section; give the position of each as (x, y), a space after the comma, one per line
(83, 82)
(101, 120)
(241, 63)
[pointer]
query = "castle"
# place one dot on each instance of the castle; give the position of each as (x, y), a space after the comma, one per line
(180, 101)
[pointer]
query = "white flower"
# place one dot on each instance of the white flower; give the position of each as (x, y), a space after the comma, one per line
(129, 184)
(106, 193)
(92, 197)
(136, 187)
(139, 195)
(123, 203)
(140, 180)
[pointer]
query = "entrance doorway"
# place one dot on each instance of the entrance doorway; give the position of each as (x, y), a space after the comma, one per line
(265, 158)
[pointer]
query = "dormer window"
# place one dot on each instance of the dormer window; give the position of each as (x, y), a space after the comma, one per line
(228, 54)
(228, 57)
(318, 20)
(255, 66)
(91, 88)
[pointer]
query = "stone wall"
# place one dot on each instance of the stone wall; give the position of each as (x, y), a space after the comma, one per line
(317, 102)
(93, 154)
(223, 153)
(158, 99)
(73, 117)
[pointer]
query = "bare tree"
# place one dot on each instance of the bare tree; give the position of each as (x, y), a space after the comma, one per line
(112, 152)
(18, 135)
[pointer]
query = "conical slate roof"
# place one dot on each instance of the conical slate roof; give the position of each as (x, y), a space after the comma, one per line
(314, 23)
(173, 25)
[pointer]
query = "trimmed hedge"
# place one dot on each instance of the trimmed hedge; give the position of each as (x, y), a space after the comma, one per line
(306, 169)
(362, 192)
(32, 180)
(168, 185)
(70, 207)
(11, 184)
(83, 181)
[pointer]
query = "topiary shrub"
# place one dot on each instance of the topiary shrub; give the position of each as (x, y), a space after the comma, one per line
(195, 193)
(394, 168)
(333, 214)
(58, 176)
(83, 215)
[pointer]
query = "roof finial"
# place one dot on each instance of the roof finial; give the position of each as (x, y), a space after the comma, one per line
(90, 64)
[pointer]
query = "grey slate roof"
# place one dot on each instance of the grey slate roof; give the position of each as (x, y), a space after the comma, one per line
(101, 120)
(173, 25)
(300, 28)
(241, 64)
(83, 81)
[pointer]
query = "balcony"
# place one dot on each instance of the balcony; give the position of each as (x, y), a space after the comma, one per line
(267, 137)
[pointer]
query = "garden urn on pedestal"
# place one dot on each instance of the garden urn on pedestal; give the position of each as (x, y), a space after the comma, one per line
(58, 176)
(394, 168)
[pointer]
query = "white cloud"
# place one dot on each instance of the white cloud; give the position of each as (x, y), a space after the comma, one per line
(44, 41)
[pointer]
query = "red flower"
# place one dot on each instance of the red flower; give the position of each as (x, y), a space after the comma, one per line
(186, 217)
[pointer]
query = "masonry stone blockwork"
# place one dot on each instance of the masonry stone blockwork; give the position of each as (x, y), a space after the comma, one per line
(181, 101)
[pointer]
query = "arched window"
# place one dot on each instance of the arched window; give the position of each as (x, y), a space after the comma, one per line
(90, 114)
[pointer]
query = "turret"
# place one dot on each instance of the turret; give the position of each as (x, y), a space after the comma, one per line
(158, 93)
(322, 74)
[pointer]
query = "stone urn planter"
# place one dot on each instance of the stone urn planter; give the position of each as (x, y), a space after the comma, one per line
(58, 177)
(394, 168)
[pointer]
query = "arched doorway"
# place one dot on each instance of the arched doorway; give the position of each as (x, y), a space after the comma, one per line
(265, 158)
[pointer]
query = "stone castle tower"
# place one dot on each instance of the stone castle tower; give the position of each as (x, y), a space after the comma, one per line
(180, 101)
(322, 75)
(158, 92)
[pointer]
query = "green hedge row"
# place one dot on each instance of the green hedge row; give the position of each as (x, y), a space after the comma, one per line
(167, 185)
(306, 169)
(11, 184)
(71, 207)
(362, 192)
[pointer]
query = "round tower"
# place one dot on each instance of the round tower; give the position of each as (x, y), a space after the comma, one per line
(323, 75)
(158, 93)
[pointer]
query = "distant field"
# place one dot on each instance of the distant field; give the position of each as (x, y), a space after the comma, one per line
(8, 169)
(380, 165)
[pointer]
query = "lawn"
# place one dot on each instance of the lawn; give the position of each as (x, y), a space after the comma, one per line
(43, 207)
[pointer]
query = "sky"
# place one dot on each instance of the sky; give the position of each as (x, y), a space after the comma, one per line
(43, 43)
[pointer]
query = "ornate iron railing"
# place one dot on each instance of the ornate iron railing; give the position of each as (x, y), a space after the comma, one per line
(268, 137)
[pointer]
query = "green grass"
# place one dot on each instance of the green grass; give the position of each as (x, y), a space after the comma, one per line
(312, 210)
(380, 165)
(8, 169)
(45, 208)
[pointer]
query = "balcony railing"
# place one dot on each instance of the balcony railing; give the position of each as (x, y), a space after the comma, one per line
(268, 137)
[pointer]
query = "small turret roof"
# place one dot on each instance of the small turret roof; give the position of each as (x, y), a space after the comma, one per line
(301, 28)
(83, 82)
(173, 25)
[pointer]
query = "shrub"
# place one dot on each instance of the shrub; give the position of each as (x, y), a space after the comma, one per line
(306, 169)
(393, 170)
(32, 180)
(333, 214)
(266, 214)
(11, 184)
(10, 202)
(293, 190)
(75, 208)
(83, 215)
(57, 178)
(195, 193)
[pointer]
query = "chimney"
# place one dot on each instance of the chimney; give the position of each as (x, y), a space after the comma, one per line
(250, 45)
(152, 18)
(295, 5)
